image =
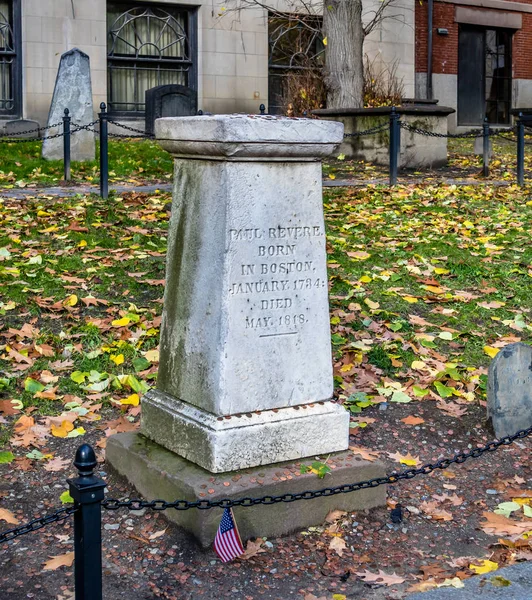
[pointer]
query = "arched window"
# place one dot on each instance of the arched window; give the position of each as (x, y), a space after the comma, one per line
(147, 47)
(10, 80)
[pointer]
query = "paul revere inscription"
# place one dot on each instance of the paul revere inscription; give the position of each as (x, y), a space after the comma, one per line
(273, 277)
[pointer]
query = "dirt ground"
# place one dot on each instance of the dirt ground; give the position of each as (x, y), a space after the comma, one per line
(301, 566)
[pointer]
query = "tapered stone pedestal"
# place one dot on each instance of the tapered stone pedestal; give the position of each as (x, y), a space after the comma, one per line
(245, 376)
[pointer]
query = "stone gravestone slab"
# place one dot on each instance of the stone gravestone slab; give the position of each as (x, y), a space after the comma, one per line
(510, 389)
(73, 90)
(169, 101)
(245, 374)
(19, 128)
(478, 148)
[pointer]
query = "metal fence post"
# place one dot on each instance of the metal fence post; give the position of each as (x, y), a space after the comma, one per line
(88, 493)
(104, 152)
(486, 148)
(66, 144)
(520, 150)
(395, 143)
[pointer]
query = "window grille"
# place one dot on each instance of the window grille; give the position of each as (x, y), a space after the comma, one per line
(147, 47)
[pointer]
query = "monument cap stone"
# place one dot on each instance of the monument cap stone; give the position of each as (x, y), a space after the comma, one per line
(249, 136)
(510, 389)
(73, 90)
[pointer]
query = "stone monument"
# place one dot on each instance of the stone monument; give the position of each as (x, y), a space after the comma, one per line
(73, 90)
(510, 389)
(245, 376)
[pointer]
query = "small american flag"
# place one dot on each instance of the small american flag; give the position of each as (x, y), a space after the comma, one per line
(227, 543)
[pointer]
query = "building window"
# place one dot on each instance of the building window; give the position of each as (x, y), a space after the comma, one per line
(10, 76)
(484, 75)
(296, 55)
(148, 46)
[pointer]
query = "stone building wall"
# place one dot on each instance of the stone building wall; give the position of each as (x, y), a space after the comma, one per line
(232, 54)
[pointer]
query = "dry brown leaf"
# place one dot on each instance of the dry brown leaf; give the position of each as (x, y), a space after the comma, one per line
(338, 545)
(432, 509)
(407, 459)
(366, 454)
(381, 577)
(334, 515)
(252, 549)
(64, 560)
(7, 407)
(411, 420)
(157, 534)
(500, 525)
(57, 464)
(8, 517)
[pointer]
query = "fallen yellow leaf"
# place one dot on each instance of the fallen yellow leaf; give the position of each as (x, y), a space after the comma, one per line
(485, 567)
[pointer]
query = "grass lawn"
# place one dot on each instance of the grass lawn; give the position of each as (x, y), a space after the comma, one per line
(426, 284)
(131, 161)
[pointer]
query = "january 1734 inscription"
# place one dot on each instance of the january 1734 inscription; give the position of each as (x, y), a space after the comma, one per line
(274, 276)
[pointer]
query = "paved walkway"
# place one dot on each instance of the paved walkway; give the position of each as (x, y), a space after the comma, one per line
(480, 587)
(66, 192)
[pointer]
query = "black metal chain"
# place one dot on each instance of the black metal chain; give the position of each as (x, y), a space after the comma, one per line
(475, 133)
(36, 524)
(160, 505)
(394, 477)
(371, 131)
(36, 130)
(132, 129)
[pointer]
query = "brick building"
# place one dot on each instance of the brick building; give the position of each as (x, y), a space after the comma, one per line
(481, 58)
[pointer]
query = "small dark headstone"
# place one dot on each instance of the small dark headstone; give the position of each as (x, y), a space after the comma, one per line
(19, 127)
(169, 101)
(510, 389)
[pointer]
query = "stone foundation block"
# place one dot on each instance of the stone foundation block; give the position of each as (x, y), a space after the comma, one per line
(157, 473)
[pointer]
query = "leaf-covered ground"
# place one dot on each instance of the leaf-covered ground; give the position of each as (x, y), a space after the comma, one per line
(426, 284)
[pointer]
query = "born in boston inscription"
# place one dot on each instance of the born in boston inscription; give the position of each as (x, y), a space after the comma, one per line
(245, 339)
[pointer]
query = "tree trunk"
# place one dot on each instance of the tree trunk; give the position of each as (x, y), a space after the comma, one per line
(344, 67)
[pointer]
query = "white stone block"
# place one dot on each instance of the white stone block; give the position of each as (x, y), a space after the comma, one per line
(221, 444)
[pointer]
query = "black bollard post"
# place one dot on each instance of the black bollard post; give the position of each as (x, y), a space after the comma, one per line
(486, 148)
(262, 109)
(104, 152)
(520, 150)
(66, 144)
(395, 143)
(88, 493)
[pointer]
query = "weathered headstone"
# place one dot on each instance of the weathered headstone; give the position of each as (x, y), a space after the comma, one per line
(19, 128)
(478, 148)
(169, 101)
(510, 389)
(245, 373)
(73, 90)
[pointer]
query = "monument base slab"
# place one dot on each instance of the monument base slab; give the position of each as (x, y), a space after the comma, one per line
(157, 473)
(221, 444)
